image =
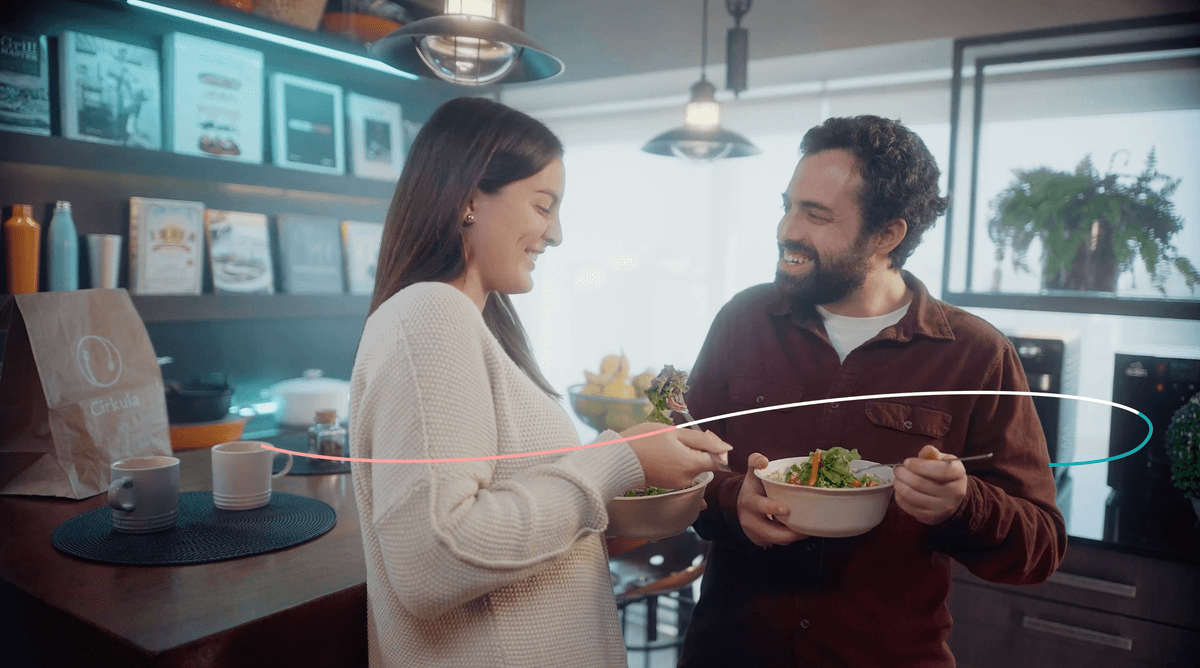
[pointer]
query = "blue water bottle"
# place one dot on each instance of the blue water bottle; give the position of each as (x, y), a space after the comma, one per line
(62, 249)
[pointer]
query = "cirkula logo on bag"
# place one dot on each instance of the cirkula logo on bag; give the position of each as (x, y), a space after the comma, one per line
(99, 360)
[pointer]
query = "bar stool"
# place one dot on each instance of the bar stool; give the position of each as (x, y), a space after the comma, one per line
(642, 573)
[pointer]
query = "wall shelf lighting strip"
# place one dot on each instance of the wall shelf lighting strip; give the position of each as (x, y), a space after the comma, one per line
(301, 45)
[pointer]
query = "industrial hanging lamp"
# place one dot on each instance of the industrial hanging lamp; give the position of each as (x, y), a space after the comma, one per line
(475, 43)
(702, 139)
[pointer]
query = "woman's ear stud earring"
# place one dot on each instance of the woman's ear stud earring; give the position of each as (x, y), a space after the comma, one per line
(470, 219)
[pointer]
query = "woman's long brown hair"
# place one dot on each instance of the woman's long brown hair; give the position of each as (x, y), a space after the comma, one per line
(467, 143)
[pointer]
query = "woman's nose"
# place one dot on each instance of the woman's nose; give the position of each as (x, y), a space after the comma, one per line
(553, 234)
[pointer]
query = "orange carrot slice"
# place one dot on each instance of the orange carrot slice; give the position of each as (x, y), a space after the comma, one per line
(816, 464)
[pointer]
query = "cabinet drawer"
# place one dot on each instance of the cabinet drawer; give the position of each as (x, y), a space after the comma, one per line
(994, 629)
(1127, 584)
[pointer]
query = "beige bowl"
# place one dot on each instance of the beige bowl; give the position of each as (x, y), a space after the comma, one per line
(659, 516)
(831, 513)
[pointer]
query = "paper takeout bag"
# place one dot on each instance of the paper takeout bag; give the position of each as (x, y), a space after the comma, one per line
(79, 389)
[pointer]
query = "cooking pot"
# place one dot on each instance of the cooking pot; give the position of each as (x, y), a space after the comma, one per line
(298, 400)
(198, 400)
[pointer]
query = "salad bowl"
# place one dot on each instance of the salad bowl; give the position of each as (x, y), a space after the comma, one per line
(830, 513)
(657, 516)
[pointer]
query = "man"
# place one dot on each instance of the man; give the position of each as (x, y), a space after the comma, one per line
(843, 319)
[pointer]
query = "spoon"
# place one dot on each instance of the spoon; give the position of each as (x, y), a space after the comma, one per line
(955, 459)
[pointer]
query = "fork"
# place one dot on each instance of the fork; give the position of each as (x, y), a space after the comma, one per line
(956, 459)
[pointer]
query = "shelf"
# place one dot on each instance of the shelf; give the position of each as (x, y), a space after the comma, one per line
(192, 308)
(1083, 303)
(56, 151)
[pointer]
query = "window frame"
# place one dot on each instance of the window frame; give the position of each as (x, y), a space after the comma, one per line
(1180, 308)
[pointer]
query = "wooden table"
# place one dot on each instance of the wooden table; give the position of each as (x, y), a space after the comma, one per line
(301, 606)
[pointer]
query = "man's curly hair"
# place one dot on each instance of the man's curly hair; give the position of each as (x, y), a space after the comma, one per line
(899, 175)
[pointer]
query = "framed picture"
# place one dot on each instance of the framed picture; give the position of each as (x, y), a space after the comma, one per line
(239, 252)
(24, 83)
(361, 244)
(310, 254)
(216, 98)
(110, 91)
(376, 147)
(166, 246)
(307, 128)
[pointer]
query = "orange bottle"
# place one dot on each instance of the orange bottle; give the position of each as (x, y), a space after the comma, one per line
(22, 239)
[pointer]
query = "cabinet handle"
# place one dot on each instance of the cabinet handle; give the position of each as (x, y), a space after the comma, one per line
(1093, 584)
(1076, 633)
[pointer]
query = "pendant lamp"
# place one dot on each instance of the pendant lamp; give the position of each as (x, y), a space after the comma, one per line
(702, 139)
(475, 43)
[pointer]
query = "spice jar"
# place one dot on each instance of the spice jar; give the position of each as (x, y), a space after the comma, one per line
(327, 437)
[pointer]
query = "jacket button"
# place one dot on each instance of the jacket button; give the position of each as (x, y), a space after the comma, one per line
(803, 623)
(759, 399)
(833, 405)
(812, 546)
(907, 424)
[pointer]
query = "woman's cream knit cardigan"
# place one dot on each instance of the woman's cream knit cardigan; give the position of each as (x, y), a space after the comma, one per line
(481, 563)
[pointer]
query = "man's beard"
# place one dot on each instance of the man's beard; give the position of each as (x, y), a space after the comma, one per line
(830, 280)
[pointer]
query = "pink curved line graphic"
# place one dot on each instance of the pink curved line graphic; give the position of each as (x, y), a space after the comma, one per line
(450, 460)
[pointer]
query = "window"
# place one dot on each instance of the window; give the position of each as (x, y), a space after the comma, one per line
(1074, 173)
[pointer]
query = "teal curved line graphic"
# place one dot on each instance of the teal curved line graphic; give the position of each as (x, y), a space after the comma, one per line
(763, 409)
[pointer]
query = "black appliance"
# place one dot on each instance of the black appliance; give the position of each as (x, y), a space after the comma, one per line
(1157, 386)
(1051, 362)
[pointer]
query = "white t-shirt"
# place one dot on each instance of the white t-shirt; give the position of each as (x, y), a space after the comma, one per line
(847, 333)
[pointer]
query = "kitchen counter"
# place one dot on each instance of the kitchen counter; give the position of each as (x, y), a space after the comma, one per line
(301, 606)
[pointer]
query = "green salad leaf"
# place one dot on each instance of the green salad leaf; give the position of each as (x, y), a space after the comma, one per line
(834, 471)
(668, 383)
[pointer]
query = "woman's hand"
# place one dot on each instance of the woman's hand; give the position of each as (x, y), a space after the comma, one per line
(674, 458)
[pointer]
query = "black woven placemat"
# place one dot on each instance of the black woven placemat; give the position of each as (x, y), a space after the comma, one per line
(203, 533)
(304, 465)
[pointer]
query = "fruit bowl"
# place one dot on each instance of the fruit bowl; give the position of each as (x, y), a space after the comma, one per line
(600, 412)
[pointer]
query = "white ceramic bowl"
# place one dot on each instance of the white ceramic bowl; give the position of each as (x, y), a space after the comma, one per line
(658, 516)
(831, 513)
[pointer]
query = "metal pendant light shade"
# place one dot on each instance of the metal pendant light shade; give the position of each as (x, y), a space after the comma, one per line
(470, 49)
(702, 139)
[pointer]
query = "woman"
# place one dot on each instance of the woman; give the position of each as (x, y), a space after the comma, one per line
(497, 562)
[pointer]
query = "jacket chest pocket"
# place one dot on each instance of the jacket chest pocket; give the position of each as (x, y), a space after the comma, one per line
(927, 422)
(755, 393)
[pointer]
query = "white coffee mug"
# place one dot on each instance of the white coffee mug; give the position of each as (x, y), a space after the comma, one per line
(144, 494)
(241, 473)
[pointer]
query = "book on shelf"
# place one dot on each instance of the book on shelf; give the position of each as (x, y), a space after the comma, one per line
(215, 93)
(166, 246)
(307, 126)
(239, 252)
(361, 243)
(24, 83)
(310, 254)
(110, 91)
(376, 146)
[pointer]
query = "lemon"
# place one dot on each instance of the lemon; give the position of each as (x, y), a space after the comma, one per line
(641, 382)
(620, 389)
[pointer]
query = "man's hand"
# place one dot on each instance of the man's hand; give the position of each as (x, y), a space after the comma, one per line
(753, 507)
(929, 489)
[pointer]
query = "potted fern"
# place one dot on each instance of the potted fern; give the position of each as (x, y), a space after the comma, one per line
(1092, 227)
(1183, 447)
